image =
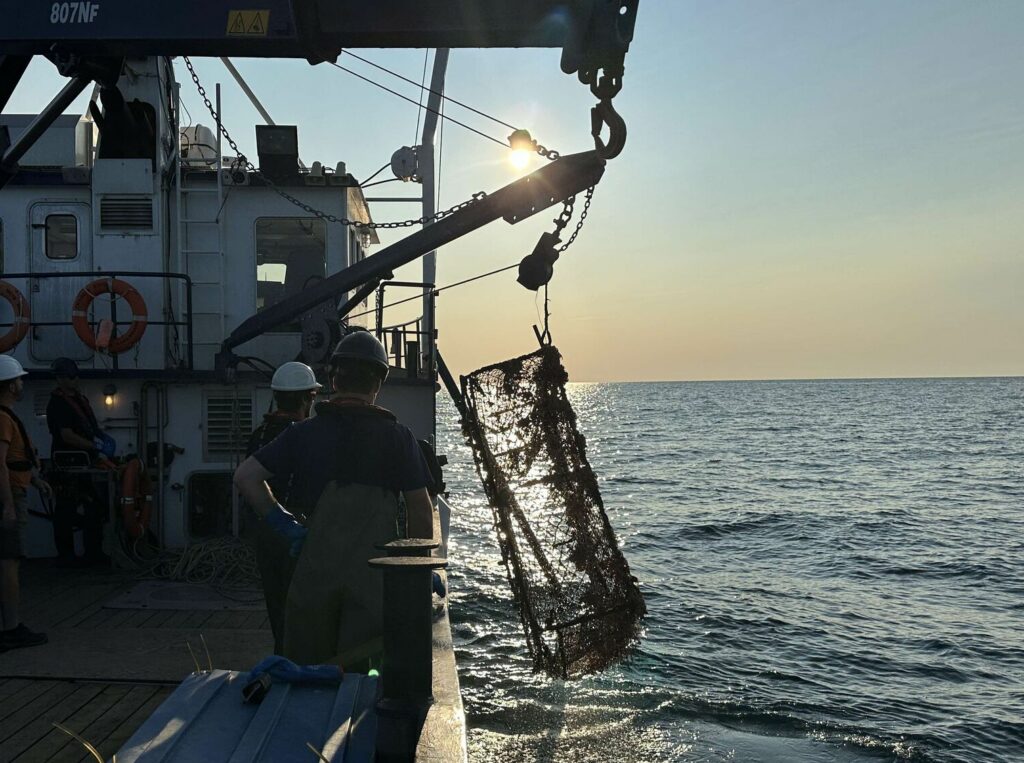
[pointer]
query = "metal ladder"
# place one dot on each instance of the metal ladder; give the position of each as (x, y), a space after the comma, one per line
(200, 251)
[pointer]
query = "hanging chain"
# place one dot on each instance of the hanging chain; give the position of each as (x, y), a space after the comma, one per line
(579, 223)
(242, 160)
(562, 221)
(546, 336)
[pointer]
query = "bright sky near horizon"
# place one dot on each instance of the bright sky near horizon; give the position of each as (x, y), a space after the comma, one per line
(809, 190)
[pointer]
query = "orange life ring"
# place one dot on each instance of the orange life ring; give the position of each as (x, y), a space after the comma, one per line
(136, 499)
(119, 288)
(19, 305)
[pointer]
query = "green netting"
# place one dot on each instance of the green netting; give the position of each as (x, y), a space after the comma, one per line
(580, 607)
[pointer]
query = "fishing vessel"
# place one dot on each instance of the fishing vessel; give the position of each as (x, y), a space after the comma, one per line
(177, 272)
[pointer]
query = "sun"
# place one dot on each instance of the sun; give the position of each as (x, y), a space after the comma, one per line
(519, 159)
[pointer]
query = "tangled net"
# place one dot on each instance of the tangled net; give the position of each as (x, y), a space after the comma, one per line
(580, 607)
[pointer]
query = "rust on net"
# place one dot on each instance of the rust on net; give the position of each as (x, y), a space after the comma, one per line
(580, 607)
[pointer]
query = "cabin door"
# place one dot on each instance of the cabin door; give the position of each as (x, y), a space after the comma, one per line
(61, 243)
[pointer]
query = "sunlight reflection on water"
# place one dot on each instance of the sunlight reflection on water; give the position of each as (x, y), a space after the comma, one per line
(833, 571)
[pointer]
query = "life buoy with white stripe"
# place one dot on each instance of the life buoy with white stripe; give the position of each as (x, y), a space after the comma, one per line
(119, 288)
(20, 308)
(136, 499)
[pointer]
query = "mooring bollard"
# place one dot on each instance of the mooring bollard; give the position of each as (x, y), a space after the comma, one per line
(407, 671)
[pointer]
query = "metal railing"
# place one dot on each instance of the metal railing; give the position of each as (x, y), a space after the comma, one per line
(405, 342)
(185, 322)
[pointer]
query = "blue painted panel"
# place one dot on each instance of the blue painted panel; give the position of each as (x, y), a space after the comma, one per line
(130, 19)
(205, 719)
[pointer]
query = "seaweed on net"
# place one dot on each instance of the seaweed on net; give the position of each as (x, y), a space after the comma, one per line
(580, 608)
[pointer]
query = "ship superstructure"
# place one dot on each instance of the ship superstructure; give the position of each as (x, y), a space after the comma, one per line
(205, 245)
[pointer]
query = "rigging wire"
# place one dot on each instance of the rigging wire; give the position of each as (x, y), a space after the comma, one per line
(379, 182)
(429, 90)
(502, 143)
(438, 290)
(375, 174)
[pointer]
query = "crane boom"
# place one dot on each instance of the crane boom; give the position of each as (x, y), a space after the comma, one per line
(313, 29)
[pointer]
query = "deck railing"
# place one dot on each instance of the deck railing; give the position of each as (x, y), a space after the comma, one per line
(409, 346)
(185, 322)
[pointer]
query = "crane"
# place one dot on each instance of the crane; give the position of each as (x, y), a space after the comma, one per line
(89, 40)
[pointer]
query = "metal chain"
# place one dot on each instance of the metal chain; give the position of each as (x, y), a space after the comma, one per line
(242, 160)
(547, 153)
(579, 223)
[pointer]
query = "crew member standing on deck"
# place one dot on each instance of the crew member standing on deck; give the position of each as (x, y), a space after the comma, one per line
(73, 427)
(348, 468)
(18, 465)
(295, 386)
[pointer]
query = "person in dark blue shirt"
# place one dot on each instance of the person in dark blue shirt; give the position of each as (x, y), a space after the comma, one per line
(347, 470)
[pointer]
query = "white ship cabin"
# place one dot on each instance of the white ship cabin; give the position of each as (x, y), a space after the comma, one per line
(127, 191)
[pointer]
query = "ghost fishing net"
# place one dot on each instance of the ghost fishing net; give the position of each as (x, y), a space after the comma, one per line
(580, 607)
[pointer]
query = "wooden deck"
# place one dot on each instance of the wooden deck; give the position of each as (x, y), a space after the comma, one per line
(105, 670)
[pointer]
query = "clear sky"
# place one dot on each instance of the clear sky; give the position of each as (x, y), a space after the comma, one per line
(810, 188)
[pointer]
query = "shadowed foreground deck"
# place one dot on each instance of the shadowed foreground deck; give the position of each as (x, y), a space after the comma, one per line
(105, 670)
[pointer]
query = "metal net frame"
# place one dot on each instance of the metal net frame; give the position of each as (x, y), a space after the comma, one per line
(580, 607)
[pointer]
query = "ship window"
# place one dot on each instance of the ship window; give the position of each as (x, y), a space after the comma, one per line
(61, 237)
(291, 253)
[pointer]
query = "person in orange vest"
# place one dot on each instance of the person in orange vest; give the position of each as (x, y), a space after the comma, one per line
(18, 469)
(295, 387)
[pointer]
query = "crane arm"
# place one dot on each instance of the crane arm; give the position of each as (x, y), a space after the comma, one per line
(312, 29)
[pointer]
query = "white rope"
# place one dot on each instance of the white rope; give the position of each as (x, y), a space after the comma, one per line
(227, 564)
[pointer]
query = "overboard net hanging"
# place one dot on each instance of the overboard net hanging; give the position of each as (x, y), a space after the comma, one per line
(579, 606)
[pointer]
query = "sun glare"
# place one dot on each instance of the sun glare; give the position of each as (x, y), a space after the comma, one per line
(519, 159)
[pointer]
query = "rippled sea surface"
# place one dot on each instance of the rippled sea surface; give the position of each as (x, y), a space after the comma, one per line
(834, 571)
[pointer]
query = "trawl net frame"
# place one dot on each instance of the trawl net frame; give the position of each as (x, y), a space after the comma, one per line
(580, 607)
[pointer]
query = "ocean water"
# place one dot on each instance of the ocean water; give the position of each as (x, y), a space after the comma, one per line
(834, 571)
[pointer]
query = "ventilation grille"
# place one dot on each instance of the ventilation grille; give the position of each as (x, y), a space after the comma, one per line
(126, 213)
(228, 425)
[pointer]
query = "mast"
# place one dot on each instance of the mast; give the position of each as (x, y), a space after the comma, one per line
(428, 174)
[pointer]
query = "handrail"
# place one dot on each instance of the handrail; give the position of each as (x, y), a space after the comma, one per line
(186, 323)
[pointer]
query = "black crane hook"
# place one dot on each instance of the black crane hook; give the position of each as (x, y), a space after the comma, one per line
(605, 114)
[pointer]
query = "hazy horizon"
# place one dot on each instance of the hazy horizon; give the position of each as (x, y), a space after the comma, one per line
(817, 379)
(809, 190)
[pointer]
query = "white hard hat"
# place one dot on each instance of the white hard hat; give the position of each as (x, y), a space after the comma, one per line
(294, 377)
(10, 368)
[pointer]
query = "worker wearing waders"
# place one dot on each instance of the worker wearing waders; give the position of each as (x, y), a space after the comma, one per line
(295, 386)
(18, 465)
(347, 467)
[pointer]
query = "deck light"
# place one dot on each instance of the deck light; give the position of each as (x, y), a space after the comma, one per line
(109, 393)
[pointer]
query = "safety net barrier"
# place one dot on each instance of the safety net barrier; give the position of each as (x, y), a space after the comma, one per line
(580, 607)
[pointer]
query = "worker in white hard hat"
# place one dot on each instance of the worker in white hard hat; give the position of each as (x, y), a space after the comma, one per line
(19, 465)
(349, 469)
(295, 387)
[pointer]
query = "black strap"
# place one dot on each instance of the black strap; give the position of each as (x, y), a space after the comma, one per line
(33, 460)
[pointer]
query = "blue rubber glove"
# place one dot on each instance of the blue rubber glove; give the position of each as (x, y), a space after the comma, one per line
(287, 526)
(437, 585)
(105, 444)
(282, 669)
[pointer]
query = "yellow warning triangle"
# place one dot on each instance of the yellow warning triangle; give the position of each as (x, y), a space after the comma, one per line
(256, 27)
(237, 26)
